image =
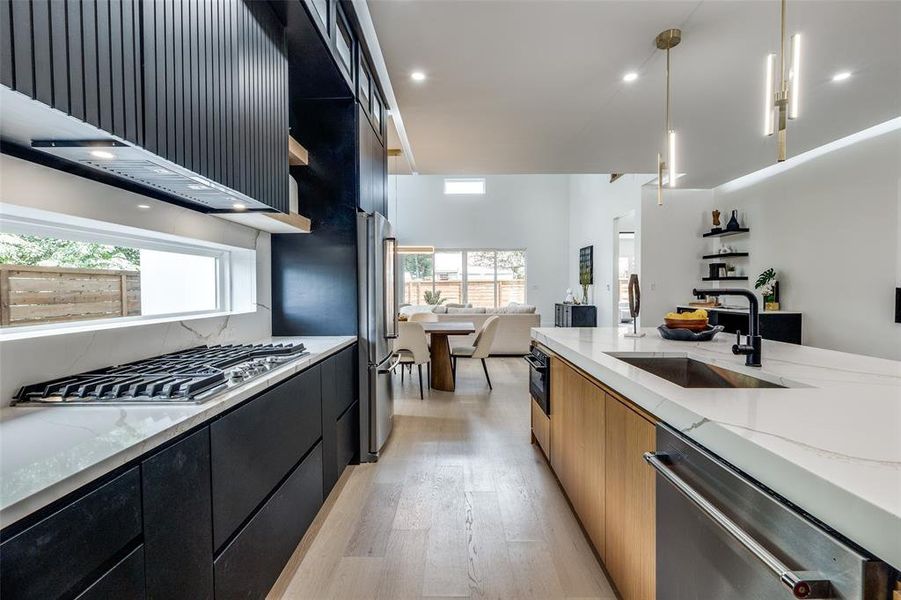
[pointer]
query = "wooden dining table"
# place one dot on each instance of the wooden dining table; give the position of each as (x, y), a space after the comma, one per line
(442, 370)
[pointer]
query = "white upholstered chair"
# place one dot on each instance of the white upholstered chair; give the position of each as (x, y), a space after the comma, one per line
(423, 317)
(413, 349)
(481, 347)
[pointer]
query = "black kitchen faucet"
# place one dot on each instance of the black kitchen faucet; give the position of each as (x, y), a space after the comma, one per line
(752, 349)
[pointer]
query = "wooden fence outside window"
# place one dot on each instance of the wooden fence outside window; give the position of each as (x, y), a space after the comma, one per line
(35, 295)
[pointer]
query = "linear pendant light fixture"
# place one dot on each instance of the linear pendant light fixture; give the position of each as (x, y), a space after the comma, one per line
(667, 40)
(781, 102)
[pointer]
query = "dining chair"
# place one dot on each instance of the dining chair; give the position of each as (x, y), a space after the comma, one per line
(423, 317)
(480, 349)
(412, 348)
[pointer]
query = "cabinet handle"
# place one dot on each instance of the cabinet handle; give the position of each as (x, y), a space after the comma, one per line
(803, 584)
(535, 364)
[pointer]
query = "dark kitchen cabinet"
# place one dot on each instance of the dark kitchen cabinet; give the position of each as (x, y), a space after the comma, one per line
(178, 536)
(372, 167)
(777, 326)
(125, 581)
(339, 424)
(74, 546)
(575, 315)
(253, 560)
(256, 445)
(82, 57)
(216, 92)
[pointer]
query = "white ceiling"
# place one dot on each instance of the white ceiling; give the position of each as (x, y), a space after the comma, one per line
(521, 86)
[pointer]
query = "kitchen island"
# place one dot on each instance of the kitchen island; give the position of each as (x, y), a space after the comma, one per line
(829, 442)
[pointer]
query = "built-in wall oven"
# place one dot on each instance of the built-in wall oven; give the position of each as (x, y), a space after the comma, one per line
(722, 535)
(540, 378)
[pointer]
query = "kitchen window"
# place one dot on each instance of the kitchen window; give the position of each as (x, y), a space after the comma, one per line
(464, 187)
(56, 276)
(488, 278)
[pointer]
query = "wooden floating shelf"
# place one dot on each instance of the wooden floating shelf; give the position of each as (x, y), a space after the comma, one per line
(726, 232)
(724, 279)
(725, 255)
(271, 222)
(297, 154)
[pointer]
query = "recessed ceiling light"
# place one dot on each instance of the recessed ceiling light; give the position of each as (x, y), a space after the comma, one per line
(417, 76)
(631, 76)
(841, 76)
(144, 206)
(238, 206)
(102, 154)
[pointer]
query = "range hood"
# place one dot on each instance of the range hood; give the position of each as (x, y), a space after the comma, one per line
(29, 123)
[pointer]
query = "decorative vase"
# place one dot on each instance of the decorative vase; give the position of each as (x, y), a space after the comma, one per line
(732, 225)
(770, 306)
(585, 294)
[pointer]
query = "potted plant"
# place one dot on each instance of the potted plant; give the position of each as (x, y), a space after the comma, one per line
(769, 289)
(432, 298)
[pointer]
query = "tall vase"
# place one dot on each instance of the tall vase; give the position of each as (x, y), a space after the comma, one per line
(585, 294)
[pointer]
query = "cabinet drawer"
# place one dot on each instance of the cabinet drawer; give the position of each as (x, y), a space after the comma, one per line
(253, 560)
(255, 446)
(56, 556)
(178, 540)
(345, 380)
(347, 436)
(125, 581)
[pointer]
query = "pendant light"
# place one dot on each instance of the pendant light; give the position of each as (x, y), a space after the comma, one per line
(781, 101)
(667, 40)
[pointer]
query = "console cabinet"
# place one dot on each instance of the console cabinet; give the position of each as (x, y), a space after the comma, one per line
(597, 442)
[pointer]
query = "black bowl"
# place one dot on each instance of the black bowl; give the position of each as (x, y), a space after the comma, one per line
(687, 335)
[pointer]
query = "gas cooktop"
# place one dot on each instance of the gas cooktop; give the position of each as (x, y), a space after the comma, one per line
(188, 377)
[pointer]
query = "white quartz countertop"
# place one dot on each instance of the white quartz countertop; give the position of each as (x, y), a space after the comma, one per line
(831, 443)
(47, 452)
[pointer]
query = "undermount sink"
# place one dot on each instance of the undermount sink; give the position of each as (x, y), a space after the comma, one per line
(690, 373)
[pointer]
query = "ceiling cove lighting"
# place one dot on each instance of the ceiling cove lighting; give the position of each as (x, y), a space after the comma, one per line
(799, 159)
(630, 77)
(417, 76)
(841, 76)
(782, 95)
(667, 40)
(460, 187)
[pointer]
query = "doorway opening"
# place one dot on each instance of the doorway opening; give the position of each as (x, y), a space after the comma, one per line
(625, 263)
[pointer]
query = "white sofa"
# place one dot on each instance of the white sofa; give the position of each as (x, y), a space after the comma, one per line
(514, 328)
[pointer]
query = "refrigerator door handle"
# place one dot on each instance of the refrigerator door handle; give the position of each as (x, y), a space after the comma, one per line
(389, 368)
(390, 291)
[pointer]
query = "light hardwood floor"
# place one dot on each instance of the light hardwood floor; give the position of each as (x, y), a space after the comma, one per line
(460, 505)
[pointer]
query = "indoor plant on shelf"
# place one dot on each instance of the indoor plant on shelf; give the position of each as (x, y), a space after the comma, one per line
(769, 289)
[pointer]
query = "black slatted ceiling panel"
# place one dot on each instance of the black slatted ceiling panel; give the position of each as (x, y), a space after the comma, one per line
(203, 84)
(7, 77)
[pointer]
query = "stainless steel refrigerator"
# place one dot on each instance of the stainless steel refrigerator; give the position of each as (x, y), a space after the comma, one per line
(377, 270)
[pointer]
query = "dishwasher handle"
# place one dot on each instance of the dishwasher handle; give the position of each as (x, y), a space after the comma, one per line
(803, 584)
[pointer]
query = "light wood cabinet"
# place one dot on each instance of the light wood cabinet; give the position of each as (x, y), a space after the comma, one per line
(596, 447)
(577, 446)
(631, 547)
(541, 428)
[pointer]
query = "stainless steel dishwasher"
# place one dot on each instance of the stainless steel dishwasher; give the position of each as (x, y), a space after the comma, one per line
(722, 535)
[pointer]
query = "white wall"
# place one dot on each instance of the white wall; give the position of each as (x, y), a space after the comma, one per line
(594, 203)
(518, 211)
(671, 246)
(830, 227)
(36, 359)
